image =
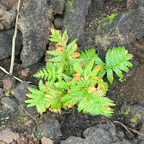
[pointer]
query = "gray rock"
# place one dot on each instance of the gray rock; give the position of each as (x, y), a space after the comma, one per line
(141, 142)
(100, 134)
(9, 4)
(134, 111)
(9, 108)
(20, 94)
(21, 91)
(5, 117)
(33, 23)
(50, 129)
(9, 103)
(97, 135)
(57, 6)
(74, 19)
(122, 142)
(124, 28)
(1, 93)
(7, 17)
(58, 23)
(6, 43)
(132, 25)
(141, 137)
(100, 4)
(73, 140)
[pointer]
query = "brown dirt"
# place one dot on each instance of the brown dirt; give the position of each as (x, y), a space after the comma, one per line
(132, 90)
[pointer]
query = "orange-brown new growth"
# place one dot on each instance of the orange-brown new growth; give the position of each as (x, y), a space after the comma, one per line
(75, 55)
(91, 89)
(76, 76)
(98, 68)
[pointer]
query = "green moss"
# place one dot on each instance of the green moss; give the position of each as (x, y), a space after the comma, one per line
(125, 112)
(10, 93)
(107, 20)
(134, 120)
(69, 5)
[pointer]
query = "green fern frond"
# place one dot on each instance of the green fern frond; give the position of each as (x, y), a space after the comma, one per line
(56, 105)
(110, 75)
(73, 78)
(62, 85)
(77, 67)
(88, 54)
(54, 53)
(64, 37)
(59, 73)
(73, 95)
(88, 67)
(50, 73)
(56, 36)
(57, 56)
(36, 98)
(117, 60)
(35, 92)
(97, 104)
(53, 96)
(71, 47)
(70, 100)
(82, 84)
(102, 85)
(98, 61)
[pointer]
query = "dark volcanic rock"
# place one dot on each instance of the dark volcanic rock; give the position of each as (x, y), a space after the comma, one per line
(58, 23)
(9, 103)
(73, 140)
(8, 109)
(131, 91)
(141, 138)
(51, 129)
(21, 91)
(74, 19)
(122, 29)
(57, 6)
(134, 111)
(100, 134)
(100, 4)
(132, 25)
(6, 43)
(1, 93)
(33, 24)
(141, 142)
(20, 94)
(9, 4)
(7, 16)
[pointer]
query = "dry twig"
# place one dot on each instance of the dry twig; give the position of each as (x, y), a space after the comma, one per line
(14, 39)
(9, 73)
(124, 127)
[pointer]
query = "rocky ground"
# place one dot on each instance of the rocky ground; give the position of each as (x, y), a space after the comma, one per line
(84, 21)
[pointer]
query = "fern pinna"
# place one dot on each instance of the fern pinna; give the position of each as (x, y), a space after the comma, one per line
(76, 78)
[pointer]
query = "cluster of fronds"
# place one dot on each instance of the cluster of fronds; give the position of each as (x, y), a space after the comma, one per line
(73, 78)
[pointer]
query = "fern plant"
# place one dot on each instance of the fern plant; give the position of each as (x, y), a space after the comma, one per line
(76, 78)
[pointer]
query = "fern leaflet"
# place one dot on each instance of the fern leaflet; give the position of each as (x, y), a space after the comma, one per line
(117, 60)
